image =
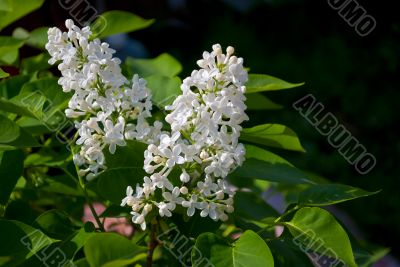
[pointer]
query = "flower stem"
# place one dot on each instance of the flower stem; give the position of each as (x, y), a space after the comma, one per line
(89, 202)
(152, 243)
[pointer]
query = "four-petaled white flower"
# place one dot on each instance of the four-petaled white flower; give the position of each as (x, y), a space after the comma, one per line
(201, 149)
(203, 142)
(108, 108)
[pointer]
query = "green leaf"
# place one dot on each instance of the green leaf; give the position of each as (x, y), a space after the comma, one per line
(55, 224)
(9, 130)
(81, 263)
(9, 106)
(11, 167)
(3, 74)
(265, 165)
(252, 212)
(287, 255)
(24, 140)
(263, 82)
(20, 241)
(274, 135)
(19, 8)
(48, 157)
(11, 87)
(112, 183)
(118, 21)
(195, 225)
(251, 206)
(35, 63)
(62, 252)
(5, 5)
(249, 250)
(38, 37)
(129, 156)
(9, 49)
(163, 65)
(124, 168)
(164, 89)
(259, 169)
(329, 194)
(61, 184)
(32, 125)
(110, 249)
(366, 257)
(258, 101)
(12, 136)
(315, 229)
(20, 33)
(43, 100)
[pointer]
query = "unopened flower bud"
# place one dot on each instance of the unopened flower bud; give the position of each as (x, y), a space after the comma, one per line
(230, 50)
(183, 190)
(184, 177)
(147, 208)
(220, 194)
(229, 208)
(204, 154)
(157, 159)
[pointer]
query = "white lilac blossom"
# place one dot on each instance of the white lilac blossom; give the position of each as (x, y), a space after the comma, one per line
(202, 146)
(108, 108)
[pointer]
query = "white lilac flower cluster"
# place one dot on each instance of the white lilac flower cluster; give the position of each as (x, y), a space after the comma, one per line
(108, 109)
(202, 146)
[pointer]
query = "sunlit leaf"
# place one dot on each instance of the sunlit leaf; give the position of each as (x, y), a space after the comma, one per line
(117, 21)
(263, 82)
(274, 135)
(249, 250)
(329, 194)
(315, 229)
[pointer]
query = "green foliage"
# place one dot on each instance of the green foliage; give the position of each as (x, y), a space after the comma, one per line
(109, 249)
(12, 136)
(11, 167)
(3, 74)
(263, 82)
(35, 63)
(274, 135)
(248, 250)
(329, 194)
(164, 89)
(315, 229)
(125, 168)
(9, 50)
(36, 38)
(20, 241)
(118, 21)
(258, 101)
(164, 65)
(11, 11)
(55, 223)
(42, 198)
(161, 76)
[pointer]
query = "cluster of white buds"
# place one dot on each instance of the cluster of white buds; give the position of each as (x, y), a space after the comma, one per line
(202, 146)
(108, 108)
